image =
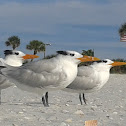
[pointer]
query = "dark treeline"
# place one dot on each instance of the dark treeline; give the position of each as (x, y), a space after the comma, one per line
(119, 69)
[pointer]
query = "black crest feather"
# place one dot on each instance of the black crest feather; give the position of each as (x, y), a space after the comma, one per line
(62, 52)
(8, 52)
(101, 61)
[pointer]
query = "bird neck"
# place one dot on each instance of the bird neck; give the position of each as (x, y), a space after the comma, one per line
(102, 68)
(68, 59)
(13, 61)
(70, 68)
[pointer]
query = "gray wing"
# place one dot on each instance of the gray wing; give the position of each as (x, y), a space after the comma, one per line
(2, 62)
(85, 80)
(37, 74)
(42, 65)
(4, 83)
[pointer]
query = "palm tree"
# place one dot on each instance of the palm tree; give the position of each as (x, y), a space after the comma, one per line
(122, 30)
(37, 46)
(13, 41)
(89, 52)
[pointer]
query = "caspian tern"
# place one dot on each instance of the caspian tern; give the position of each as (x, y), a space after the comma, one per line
(92, 78)
(48, 74)
(13, 58)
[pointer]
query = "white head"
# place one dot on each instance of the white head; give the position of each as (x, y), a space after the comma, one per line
(106, 64)
(16, 58)
(102, 65)
(71, 56)
(76, 57)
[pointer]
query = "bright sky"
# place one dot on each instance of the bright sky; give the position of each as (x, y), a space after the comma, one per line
(66, 24)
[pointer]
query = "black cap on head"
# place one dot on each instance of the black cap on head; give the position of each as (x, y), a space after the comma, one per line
(62, 52)
(101, 61)
(8, 52)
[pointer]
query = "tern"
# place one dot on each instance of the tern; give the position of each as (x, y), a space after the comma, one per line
(48, 74)
(92, 78)
(13, 58)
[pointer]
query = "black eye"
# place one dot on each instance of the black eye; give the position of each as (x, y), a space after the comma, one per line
(71, 54)
(16, 53)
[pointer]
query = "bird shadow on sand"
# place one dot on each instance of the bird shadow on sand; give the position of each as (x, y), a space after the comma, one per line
(24, 103)
(3, 103)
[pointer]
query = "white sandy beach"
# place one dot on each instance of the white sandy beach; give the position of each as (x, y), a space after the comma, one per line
(108, 106)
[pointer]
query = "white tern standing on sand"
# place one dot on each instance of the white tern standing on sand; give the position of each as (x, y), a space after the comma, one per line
(13, 58)
(92, 78)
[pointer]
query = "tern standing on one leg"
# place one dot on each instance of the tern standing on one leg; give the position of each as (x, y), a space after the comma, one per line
(13, 58)
(47, 74)
(92, 78)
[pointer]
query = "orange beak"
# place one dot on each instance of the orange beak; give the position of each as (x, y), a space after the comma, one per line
(28, 56)
(118, 63)
(88, 58)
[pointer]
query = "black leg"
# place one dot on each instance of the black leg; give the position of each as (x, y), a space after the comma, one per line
(43, 101)
(46, 99)
(84, 99)
(0, 97)
(80, 98)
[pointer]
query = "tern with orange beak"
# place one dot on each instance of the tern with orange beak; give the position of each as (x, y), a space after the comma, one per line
(13, 58)
(48, 74)
(92, 78)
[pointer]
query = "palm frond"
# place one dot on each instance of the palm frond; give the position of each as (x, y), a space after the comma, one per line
(122, 29)
(37, 46)
(13, 41)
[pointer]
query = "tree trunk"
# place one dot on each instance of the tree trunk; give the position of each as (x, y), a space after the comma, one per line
(44, 54)
(35, 52)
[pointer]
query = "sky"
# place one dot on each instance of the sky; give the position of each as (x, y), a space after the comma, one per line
(65, 24)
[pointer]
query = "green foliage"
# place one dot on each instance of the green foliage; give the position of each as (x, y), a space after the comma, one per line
(13, 41)
(122, 29)
(89, 52)
(37, 46)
